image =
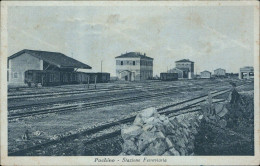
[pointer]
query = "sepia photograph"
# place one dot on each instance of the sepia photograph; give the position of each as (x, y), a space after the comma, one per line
(129, 83)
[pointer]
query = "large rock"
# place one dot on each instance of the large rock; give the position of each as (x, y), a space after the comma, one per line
(149, 112)
(174, 152)
(145, 139)
(131, 131)
(129, 147)
(158, 147)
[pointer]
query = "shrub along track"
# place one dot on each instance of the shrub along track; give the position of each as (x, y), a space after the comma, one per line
(186, 106)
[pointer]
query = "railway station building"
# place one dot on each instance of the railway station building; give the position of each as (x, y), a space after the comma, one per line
(134, 66)
(26, 59)
(246, 72)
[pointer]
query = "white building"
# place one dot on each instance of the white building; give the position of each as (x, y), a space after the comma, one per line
(187, 67)
(134, 66)
(220, 72)
(246, 72)
(205, 74)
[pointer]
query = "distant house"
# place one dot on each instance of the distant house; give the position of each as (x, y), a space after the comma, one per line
(246, 72)
(134, 66)
(220, 72)
(176, 70)
(186, 66)
(25, 60)
(205, 74)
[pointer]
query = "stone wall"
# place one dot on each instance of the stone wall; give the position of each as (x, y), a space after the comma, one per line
(155, 134)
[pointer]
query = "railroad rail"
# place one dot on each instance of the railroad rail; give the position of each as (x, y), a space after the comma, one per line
(163, 110)
(132, 91)
(78, 91)
(90, 105)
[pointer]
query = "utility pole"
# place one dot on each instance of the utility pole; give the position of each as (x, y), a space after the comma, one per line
(101, 65)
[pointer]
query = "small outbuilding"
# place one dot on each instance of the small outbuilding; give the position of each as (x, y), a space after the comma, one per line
(205, 74)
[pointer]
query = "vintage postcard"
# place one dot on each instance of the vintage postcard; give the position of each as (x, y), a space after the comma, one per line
(129, 83)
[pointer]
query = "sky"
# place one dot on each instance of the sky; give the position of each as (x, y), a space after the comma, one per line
(212, 37)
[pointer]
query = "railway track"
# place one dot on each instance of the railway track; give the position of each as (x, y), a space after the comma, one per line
(82, 99)
(91, 105)
(189, 105)
(64, 90)
(63, 99)
(80, 91)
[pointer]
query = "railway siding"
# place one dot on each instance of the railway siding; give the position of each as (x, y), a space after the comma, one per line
(114, 133)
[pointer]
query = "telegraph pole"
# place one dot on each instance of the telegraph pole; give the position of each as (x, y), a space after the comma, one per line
(101, 65)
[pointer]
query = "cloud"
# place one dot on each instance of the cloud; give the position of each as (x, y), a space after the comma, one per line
(223, 41)
(34, 38)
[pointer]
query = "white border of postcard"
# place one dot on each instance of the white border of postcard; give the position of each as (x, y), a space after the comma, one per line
(90, 160)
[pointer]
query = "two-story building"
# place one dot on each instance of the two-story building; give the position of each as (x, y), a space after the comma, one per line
(187, 68)
(134, 66)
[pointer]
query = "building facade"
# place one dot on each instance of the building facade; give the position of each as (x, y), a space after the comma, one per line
(187, 67)
(205, 74)
(178, 71)
(134, 66)
(25, 60)
(220, 72)
(246, 72)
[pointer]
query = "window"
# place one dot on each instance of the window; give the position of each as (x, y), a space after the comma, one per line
(134, 63)
(121, 62)
(51, 77)
(15, 75)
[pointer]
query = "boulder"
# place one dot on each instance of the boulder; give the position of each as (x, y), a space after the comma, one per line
(129, 147)
(145, 139)
(148, 127)
(181, 143)
(131, 131)
(167, 153)
(158, 147)
(182, 151)
(174, 152)
(148, 112)
(169, 143)
(160, 135)
(150, 121)
(138, 120)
